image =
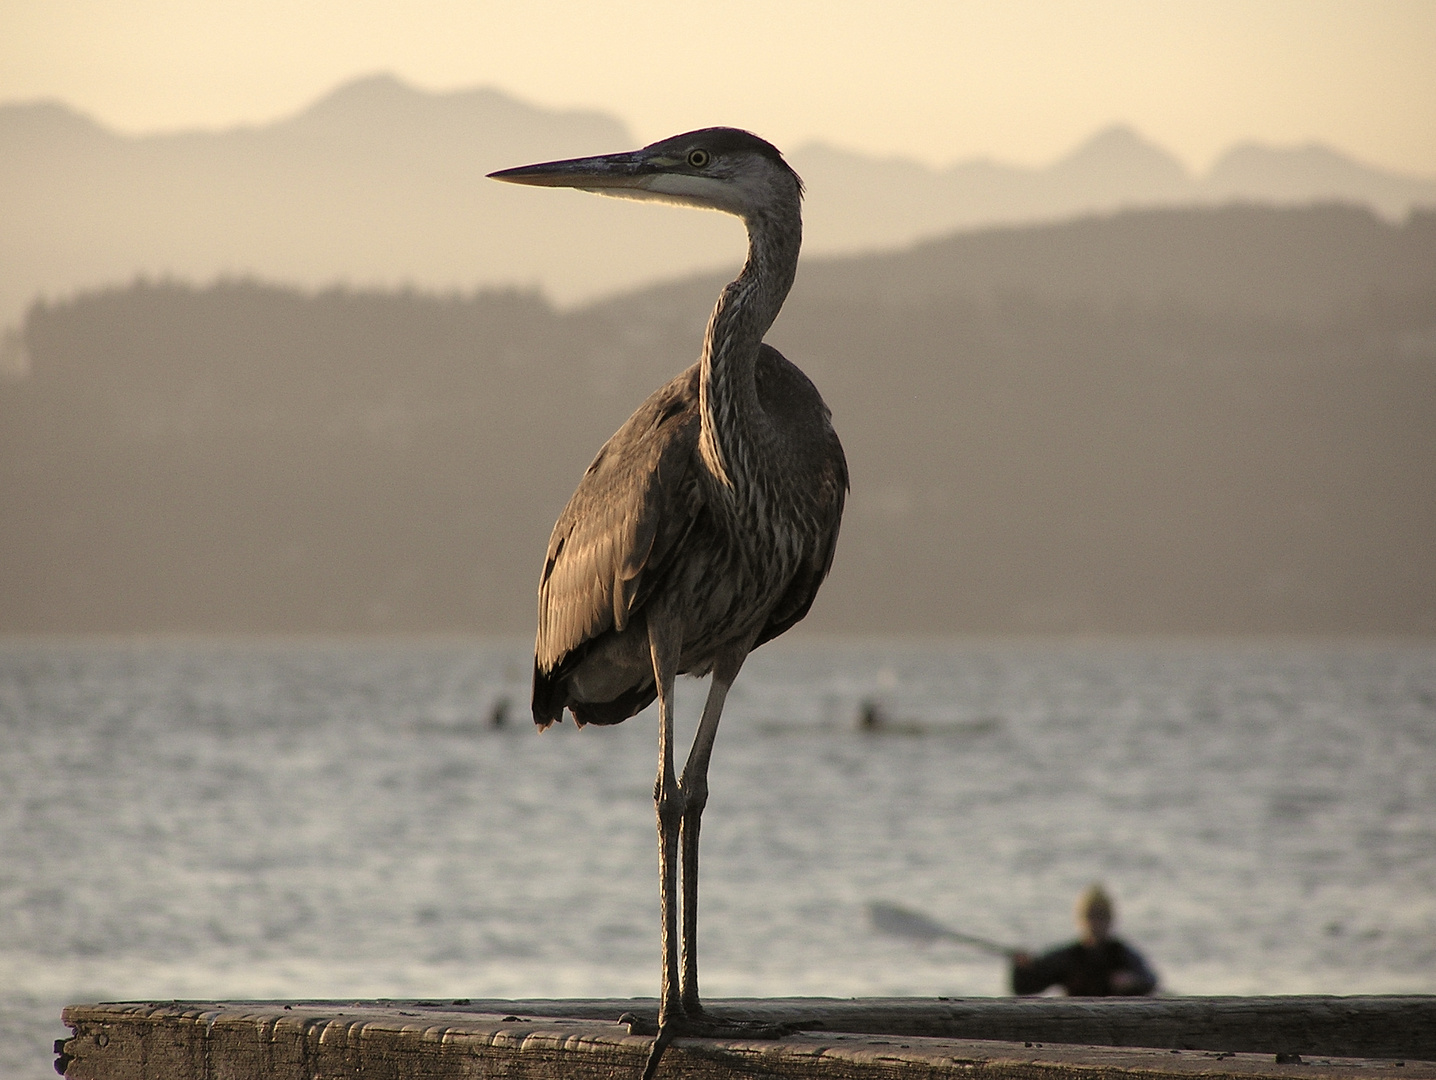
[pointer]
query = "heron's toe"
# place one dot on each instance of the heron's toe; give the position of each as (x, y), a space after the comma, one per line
(638, 1025)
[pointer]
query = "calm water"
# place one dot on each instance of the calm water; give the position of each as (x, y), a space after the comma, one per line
(224, 820)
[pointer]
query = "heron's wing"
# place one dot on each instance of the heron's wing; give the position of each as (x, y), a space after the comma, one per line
(803, 589)
(817, 456)
(630, 511)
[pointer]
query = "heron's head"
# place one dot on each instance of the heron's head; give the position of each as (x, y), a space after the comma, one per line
(715, 168)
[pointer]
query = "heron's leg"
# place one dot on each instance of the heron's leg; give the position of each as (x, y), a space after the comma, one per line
(695, 797)
(665, 643)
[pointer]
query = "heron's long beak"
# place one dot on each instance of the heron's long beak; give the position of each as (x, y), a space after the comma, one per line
(598, 174)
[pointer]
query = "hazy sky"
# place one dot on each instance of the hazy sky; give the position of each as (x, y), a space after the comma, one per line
(936, 80)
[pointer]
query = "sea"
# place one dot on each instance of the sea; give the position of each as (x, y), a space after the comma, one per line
(232, 818)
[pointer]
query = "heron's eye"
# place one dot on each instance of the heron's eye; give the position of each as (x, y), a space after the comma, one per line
(699, 158)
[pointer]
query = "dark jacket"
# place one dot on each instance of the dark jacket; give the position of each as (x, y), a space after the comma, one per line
(1084, 971)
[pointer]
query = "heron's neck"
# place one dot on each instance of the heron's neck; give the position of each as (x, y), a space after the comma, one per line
(732, 420)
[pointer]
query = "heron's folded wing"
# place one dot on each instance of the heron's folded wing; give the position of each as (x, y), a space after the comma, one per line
(802, 590)
(631, 509)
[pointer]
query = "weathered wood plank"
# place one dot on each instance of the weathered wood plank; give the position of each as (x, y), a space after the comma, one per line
(541, 1040)
(1366, 1026)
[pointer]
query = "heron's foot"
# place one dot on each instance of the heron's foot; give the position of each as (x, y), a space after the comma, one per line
(666, 1034)
(700, 1026)
(638, 1025)
(705, 1026)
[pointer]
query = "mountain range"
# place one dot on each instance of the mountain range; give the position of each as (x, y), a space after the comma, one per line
(380, 184)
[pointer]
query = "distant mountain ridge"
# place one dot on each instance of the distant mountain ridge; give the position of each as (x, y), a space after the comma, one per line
(874, 203)
(382, 184)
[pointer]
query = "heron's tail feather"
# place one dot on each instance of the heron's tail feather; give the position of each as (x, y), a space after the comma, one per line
(551, 697)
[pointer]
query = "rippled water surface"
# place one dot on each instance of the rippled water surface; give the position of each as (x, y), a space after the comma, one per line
(217, 819)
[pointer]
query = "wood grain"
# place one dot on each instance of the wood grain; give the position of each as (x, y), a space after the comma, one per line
(981, 1039)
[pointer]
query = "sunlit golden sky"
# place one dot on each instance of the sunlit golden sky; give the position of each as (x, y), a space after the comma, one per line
(935, 80)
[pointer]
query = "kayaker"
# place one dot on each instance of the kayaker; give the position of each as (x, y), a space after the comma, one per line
(1096, 965)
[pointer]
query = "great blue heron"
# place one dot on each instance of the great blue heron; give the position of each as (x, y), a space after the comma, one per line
(705, 525)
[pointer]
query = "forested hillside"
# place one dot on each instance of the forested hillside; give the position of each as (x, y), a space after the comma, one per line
(1178, 421)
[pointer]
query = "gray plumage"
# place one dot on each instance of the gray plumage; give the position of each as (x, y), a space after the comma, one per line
(706, 524)
(649, 516)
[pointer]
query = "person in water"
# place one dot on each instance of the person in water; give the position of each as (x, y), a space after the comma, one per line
(1096, 965)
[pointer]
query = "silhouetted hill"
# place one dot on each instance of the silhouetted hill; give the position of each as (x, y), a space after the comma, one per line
(1184, 421)
(1312, 266)
(379, 184)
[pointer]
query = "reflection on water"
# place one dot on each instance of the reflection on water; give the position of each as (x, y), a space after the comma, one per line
(221, 819)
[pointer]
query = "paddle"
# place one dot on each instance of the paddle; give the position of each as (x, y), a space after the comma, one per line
(901, 922)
